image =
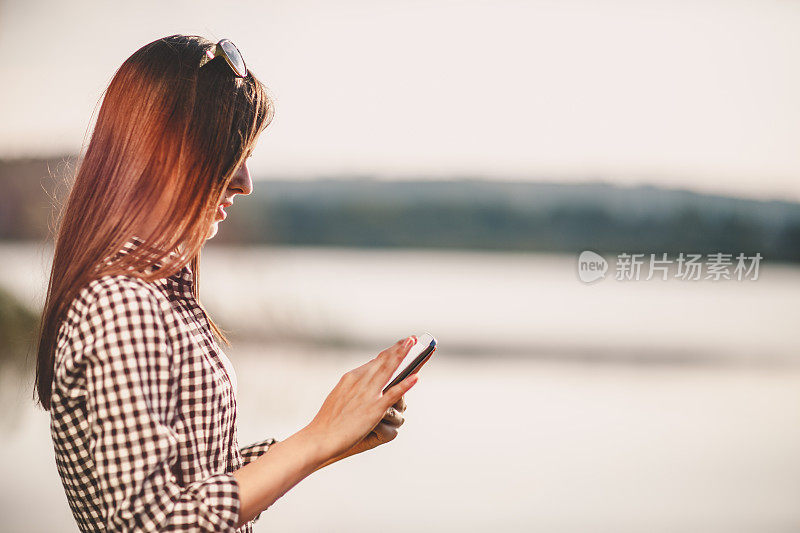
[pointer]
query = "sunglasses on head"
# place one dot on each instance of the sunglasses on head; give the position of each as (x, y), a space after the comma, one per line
(233, 57)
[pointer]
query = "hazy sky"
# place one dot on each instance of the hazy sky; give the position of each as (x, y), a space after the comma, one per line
(698, 94)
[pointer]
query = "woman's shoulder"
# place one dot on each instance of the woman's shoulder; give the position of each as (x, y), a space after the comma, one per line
(112, 291)
(105, 302)
(109, 317)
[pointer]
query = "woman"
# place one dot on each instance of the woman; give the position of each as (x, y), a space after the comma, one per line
(141, 397)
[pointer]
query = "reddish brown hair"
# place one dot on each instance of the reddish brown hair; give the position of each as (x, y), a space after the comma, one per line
(168, 138)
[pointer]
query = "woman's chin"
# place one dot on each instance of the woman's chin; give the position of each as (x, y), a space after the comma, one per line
(213, 230)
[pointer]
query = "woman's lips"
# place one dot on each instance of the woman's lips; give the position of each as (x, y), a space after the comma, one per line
(221, 212)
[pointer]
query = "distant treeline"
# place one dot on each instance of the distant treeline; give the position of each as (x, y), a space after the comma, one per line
(465, 214)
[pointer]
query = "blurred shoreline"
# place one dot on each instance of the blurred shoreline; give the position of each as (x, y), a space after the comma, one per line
(474, 213)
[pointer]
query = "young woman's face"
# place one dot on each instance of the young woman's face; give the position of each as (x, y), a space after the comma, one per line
(239, 184)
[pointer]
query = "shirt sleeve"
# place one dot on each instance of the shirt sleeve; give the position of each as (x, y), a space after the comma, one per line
(131, 408)
(253, 451)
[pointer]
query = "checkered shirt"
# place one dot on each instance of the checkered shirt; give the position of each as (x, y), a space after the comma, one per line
(143, 414)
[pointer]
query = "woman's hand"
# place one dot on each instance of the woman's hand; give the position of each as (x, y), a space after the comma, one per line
(384, 432)
(356, 416)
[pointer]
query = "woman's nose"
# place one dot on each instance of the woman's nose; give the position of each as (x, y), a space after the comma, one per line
(241, 182)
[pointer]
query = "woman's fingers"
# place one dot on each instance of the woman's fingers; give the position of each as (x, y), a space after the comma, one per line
(389, 360)
(393, 417)
(395, 393)
(400, 405)
(385, 432)
(370, 367)
(367, 370)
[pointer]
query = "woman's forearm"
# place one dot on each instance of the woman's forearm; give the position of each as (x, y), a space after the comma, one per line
(269, 477)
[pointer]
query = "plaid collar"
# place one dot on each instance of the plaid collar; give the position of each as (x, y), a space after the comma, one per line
(180, 283)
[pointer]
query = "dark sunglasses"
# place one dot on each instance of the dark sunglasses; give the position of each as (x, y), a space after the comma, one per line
(232, 55)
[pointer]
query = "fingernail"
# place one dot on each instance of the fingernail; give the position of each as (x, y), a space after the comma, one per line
(409, 341)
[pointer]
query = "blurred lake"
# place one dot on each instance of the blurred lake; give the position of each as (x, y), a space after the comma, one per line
(551, 405)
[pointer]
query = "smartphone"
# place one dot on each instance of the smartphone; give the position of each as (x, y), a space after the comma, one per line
(417, 356)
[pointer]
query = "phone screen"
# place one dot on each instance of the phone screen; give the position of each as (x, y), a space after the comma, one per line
(416, 356)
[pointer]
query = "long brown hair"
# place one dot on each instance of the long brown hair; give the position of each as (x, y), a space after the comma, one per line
(168, 139)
